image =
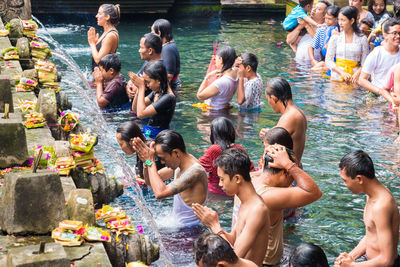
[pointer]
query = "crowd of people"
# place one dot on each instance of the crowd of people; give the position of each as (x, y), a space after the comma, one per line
(355, 46)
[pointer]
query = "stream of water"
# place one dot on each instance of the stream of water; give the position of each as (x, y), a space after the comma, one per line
(339, 119)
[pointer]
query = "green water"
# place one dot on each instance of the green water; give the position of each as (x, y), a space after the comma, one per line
(339, 119)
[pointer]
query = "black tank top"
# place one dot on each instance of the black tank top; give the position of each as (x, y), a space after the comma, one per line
(98, 47)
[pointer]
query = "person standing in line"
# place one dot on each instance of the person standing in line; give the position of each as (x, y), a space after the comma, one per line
(381, 216)
(107, 17)
(169, 52)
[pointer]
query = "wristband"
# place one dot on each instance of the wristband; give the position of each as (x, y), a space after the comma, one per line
(288, 169)
(148, 163)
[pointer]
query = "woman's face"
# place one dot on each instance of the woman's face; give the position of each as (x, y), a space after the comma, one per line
(125, 146)
(218, 62)
(378, 6)
(345, 23)
(330, 20)
(150, 83)
(101, 17)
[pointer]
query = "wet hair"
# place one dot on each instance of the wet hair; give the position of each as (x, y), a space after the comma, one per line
(371, 3)
(113, 11)
(357, 162)
(268, 159)
(308, 255)
(367, 22)
(164, 27)
(110, 61)
(351, 12)
(235, 161)
(326, 2)
(130, 129)
(332, 11)
(222, 132)
(280, 88)
(249, 59)
(228, 55)
(211, 248)
(390, 23)
(156, 70)
(153, 41)
(170, 140)
(280, 136)
(303, 3)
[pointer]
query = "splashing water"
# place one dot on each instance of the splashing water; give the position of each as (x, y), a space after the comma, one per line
(99, 124)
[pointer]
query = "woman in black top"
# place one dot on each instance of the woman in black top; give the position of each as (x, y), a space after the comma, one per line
(107, 17)
(159, 105)
(170, 53)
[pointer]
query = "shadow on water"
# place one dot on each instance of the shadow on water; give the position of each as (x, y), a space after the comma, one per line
(339, 119)
(99, 126)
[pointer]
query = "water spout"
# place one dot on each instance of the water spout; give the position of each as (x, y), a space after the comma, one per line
(99, 124)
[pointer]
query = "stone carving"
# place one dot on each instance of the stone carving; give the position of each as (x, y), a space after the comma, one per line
(10, 9)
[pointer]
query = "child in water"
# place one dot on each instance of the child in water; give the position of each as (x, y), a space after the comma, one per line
(322, 36)
(250, 83)
(299, 12)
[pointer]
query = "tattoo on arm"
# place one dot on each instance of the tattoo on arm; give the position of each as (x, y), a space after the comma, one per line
(188, 179)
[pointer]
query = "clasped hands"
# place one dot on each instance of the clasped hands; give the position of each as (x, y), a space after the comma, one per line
(143, 151)
(93, 37)
(134, 84)
(344, 260)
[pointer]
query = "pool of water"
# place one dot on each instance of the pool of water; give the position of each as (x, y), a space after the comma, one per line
(339, 119)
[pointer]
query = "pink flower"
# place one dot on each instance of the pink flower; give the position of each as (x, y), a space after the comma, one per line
(140, 229)
(62, 114)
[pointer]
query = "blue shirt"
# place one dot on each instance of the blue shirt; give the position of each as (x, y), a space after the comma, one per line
(290, 21)
(321, 38)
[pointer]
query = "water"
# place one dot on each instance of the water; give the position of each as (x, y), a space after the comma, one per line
(339, 119)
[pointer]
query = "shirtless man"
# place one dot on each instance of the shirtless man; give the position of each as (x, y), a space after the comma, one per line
(249, 237)
(279, 97)
(273, 182)
(381, 215)
(190, 184)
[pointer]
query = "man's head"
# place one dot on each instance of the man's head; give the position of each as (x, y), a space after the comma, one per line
(355, 168)
(110, 66)
(306, 5)
(170, 147)
(150, 46)
(233, 169)
(318, 11)
(278, 91)
(391, 31)
(278, 135)
(249, 63)
(211, 250)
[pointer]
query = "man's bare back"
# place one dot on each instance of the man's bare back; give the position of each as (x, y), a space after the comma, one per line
(295, 122)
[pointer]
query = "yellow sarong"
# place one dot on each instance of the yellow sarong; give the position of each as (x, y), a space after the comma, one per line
(347, 65)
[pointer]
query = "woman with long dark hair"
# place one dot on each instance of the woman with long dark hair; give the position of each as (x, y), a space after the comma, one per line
(219, 93)
(222, 137)
(159, 105)
(107, 17)
(170, 53)
(350, 48)
(125, 134)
